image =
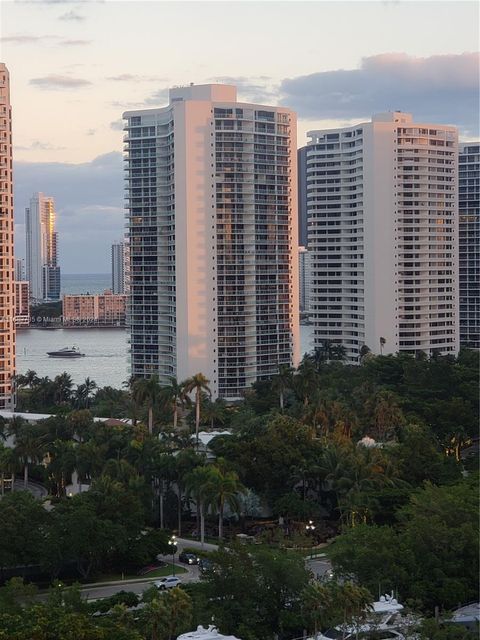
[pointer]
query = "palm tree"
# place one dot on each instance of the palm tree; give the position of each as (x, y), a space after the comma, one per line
(63, 387)
(386, 413)
(185, 462)
(357, 602)
(352, 473)
(223, 489)
(90, 458)
(214, 412)
(90, 386)
(383, 342)
(8, 467)
(282, 381)
(62, 464)
(28, 447)
(198, 484)
(147, 390)
(364, 353)
(197, 383)
(173, 395)
(29, 379)
(306, 380)
(338, 352)
(80, 396)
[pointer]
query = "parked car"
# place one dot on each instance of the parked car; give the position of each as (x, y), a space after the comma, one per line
(167, 583)
(205, 564)
(188, 558)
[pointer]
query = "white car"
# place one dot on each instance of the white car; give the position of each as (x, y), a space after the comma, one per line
(167, 583)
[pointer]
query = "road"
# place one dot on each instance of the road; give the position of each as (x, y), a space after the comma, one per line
(96, 592)
(318, 566)
(184, 543)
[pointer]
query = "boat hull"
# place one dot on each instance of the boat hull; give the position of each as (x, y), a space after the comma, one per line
(65, 355)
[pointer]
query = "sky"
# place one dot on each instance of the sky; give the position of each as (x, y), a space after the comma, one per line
(75, 66)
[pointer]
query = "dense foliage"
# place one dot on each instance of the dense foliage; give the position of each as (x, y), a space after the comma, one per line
(377, 455)
(64, 615)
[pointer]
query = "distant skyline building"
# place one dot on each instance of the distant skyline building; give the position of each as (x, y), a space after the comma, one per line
(19, 269)
(107, 309)
(42, 269)
(383, 231)
(305, 278)
(302, 197)
(120, 267)
(7, 262)
(212, 218)
(469, 244)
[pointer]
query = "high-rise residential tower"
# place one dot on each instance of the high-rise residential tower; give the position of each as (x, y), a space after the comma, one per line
(302, 197)
(42, 269)
(383, 230)
(212, 218)
(469, 244)
(7, 260)
(304, 278)
(120, 267)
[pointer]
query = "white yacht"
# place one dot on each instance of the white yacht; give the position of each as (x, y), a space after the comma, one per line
(210, 633)
(383, 622)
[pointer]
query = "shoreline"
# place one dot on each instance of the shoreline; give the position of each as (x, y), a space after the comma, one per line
(55, 328)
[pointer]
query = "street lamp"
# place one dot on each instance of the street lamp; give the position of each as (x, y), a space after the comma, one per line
(310, 527)
(173, 544)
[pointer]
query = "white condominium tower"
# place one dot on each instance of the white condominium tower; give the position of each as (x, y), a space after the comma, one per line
(7, 260)
(211, 199)
(42, 270)
(304, 278)
(382, 227)
(469, 245)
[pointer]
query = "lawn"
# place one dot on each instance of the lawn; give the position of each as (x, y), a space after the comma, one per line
(168, 570)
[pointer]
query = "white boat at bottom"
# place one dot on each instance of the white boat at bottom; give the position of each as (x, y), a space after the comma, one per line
(383, 622)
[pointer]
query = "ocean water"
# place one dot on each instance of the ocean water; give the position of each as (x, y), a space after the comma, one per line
(106, 350)
(85, 283)
(106, 353)
(105, 361)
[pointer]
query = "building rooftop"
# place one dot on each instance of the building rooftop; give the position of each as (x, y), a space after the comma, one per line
(35, 417)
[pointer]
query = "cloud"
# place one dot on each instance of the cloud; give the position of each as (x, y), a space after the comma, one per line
(58, 2)
(158, 98)
(54, 81)
(120, 104)
(72, 15)
(38, 146)
(75, 43)
(251, 89)
(30, 39)
(89, 202)
(440, 88)
(116, 125)
(26, 39)
(131, 77)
